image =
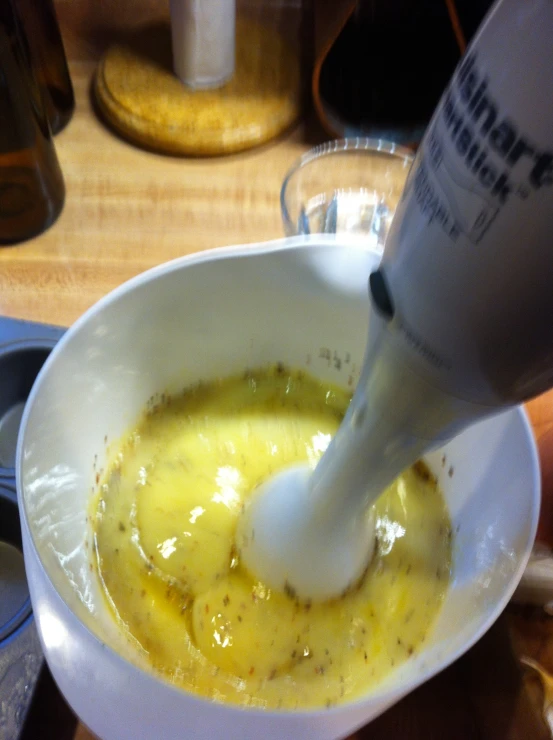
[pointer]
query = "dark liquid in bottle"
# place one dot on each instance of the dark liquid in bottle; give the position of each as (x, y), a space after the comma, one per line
(48, 56)
(388, 68)
(31, 184)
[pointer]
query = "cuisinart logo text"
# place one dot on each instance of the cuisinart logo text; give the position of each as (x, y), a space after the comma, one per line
(463, 182)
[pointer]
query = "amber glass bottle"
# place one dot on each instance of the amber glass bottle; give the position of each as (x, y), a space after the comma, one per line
(31, 183)
(48, 55)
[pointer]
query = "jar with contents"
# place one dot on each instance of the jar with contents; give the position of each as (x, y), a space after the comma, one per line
(32, 190)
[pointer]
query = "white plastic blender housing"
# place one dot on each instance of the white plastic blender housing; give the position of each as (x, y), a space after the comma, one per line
(462, 325)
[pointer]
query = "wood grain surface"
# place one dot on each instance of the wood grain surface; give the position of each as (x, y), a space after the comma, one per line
(127, 210)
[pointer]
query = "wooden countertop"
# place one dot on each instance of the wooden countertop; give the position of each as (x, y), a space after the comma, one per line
(127, 210)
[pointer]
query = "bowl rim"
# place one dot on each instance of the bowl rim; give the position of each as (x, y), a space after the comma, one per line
(350, 145)
(386, 694)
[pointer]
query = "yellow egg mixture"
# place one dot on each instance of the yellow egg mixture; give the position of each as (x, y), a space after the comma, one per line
(164, 523)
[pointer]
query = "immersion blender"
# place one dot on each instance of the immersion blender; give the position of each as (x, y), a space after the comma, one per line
(461, 325)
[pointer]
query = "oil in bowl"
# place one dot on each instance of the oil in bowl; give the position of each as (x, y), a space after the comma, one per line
(165, 517)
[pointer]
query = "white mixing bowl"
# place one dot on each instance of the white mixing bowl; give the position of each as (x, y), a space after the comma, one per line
(303, 302)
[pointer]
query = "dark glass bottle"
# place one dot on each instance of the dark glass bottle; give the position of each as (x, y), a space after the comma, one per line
(31, 183)
(48, 54)
(388, 68)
